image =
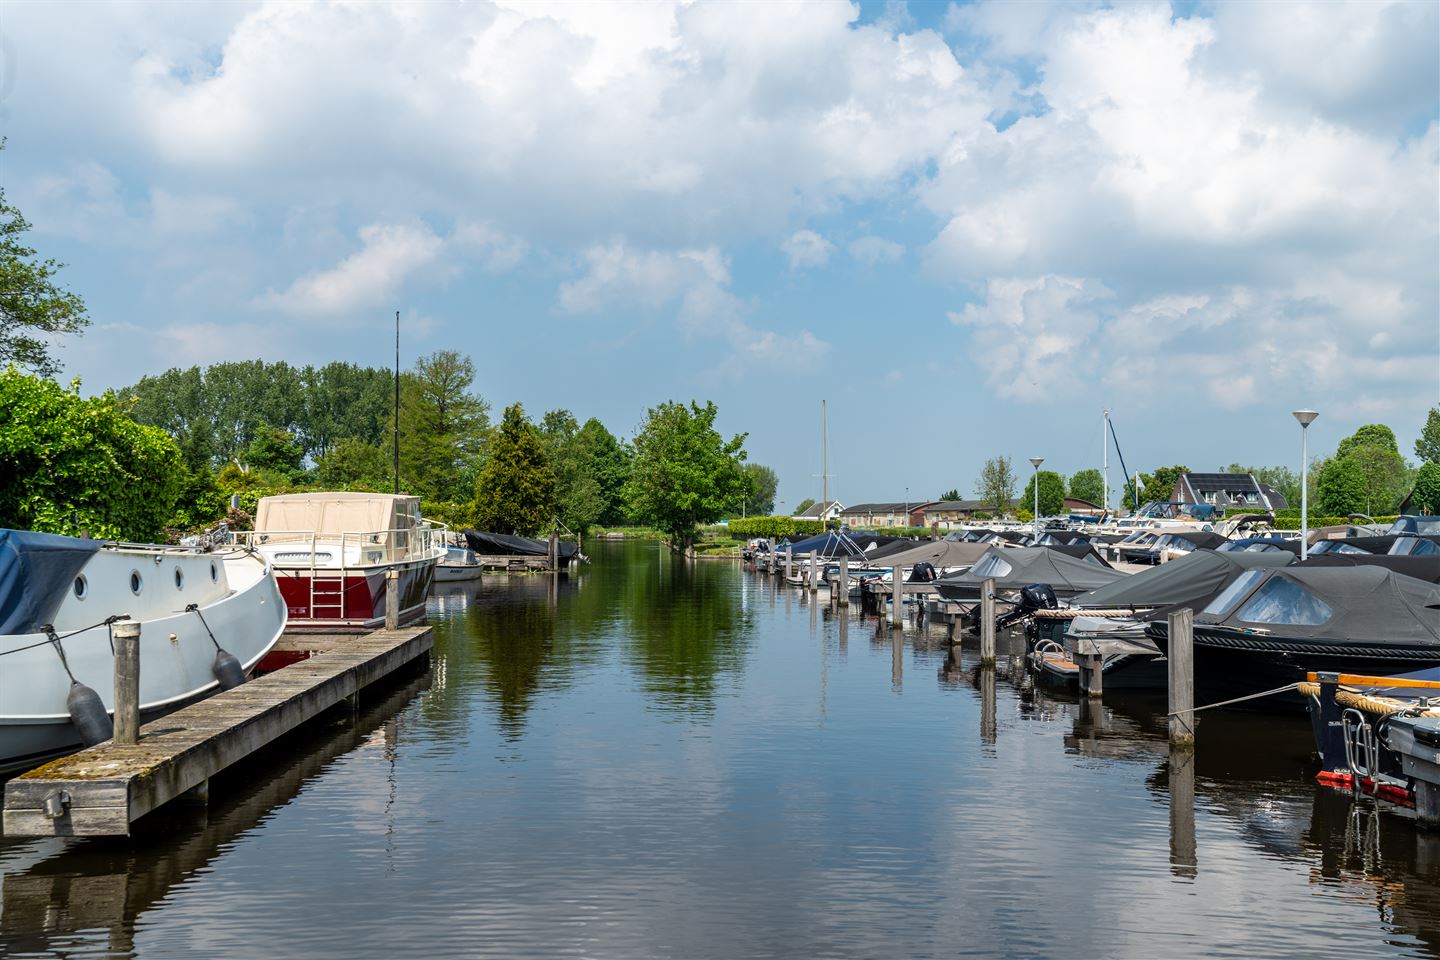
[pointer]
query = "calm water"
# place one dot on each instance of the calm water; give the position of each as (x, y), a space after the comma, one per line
(655, 760)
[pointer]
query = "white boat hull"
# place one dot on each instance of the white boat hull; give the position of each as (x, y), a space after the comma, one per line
(456, 572)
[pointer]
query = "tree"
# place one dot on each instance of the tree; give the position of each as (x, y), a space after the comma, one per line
(1160, 485)
(1339, 487)
(952, 494)
(515, 491)
(1426, 495)
(684, 472)
(443, 426)
(996, 486)
(1052, 493)
(804, 505)
(760, 499)
(345, 401)
(33, 307)
(1088, 485)
(1375, 452)
(1427, 448)
(351, 463)
(608, 461)
(274, 449)
(70, 465)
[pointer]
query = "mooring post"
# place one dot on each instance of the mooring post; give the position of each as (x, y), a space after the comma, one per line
(897, 596)
(789, 562)
(988, 727)
(987, 623)
(392, 599)
(1181, 657)
(127, 681)
(553, 551)
(815, 570)
(844, 598)
(1091, 665)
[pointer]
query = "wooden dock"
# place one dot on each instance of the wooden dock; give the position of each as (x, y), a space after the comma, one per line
(103, 790)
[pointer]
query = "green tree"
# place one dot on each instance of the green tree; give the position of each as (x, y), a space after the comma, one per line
(608, 462)
(952, 494)
(996, 486)
(1339, 488)
(760, 500)
(1052, 493)
(273, 449)
(1376, 453)
(353, 464)
(1426, 497)
(684, 472)
(1160, 485)
(515, 491)
(1427, 448)
(70, 464)
(590, 469)
(1088, 485)
(344, 401)
(443, 427)
(804, 505)
(33, 307)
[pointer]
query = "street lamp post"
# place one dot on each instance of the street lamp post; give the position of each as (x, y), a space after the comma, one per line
(1035, 462)
(1305, 418)
(907, 506)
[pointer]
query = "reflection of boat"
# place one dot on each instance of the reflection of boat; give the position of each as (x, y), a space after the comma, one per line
(332, 553)
(58, 596)
(458, 564)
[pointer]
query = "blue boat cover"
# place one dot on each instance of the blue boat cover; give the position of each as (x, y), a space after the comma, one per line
(36, 569)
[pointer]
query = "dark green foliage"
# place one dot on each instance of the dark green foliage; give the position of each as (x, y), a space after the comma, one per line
(443, 427)
(996, 486)
(1160, 485)
(353, 464)
(1088, 485)
(1340, 487)
(952, 494)
(1052, 494)
(1426, 496)
(761, 496)
(33, 307)
(69, 465)
(774, 527)
(1427, 448)
(1376, 455)
(515, 491)
(590, 469)
(684, 473)
(273, 449)
(805, 504)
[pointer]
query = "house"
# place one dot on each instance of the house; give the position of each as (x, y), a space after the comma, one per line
(947, 513)
(891, 514)
(817, 511)
(1227, 490)
(1085, 507)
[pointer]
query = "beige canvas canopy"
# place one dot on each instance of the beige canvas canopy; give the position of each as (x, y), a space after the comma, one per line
(336, 513)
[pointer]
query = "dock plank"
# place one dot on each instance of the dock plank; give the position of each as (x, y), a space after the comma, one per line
(110, 786)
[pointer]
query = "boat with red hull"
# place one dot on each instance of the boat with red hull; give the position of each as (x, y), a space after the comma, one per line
(334, 555)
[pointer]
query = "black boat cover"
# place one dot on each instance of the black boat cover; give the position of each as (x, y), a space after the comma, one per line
(834, 544)
(1014, 567)
(1421, 568)
(510, 545)
(1202, 539)
(1193, 579)
(36, 572)
(1336, 604)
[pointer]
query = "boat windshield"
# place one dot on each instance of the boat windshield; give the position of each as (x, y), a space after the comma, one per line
(991, 566)
(1334, 546)
(1282, 600)
(1408, 524)
(1414, 547)
(1226, 600)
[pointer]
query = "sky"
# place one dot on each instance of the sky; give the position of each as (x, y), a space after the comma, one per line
(969, 228)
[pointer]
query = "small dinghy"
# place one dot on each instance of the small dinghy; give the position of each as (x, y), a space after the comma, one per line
(206, 619)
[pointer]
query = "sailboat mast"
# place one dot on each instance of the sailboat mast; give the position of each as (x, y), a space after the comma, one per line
(824, 460)
(1105, 460)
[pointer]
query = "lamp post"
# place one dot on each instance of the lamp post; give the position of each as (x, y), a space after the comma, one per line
(907, 507)
(1035, 462)
(1305, 417)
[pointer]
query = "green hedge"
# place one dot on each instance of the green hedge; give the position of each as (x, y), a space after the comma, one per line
(1293, 523)
(775, 527)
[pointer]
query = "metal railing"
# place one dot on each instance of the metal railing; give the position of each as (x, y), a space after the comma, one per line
(370, 547)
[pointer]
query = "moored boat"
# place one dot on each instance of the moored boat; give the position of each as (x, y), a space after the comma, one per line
(458, 564)
(59, 597)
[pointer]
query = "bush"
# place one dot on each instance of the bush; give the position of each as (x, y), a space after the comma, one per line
(1293, 523)
(775, 527)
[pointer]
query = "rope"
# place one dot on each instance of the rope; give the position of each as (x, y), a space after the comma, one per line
(51, 637)
(195, 609)
(1225, 703)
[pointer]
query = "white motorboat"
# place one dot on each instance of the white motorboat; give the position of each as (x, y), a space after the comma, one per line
(332, 553)
(458, 564)
(58, 599)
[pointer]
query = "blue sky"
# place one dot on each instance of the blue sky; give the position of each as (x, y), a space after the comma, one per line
(970, 228)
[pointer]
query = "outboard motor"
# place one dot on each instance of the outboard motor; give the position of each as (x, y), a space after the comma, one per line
(1036, 596)
(923, 572)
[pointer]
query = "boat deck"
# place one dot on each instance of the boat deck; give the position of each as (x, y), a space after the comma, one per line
(103, 790)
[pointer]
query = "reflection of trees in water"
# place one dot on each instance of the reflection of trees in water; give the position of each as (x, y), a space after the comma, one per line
(683, 628)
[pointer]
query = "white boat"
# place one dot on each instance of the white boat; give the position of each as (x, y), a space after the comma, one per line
(332, 553)
(458, 564)
(57, 598)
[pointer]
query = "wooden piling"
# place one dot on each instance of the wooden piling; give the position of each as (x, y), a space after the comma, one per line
(1181, 657)
(844, 591)
(897, 596)
(987, 623)
(815, 571)
(1091, 670)
(789, 562)
(392, 599)
(127, 681)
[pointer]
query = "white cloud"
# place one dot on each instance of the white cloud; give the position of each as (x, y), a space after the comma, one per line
(189, 214)
(497, 250)
(806, 248)
(388, 254)
(872, 250)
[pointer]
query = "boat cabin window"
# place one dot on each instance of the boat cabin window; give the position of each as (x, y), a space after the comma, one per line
(1282, 600)
(1227, 599)
(1415, 525)
(1413, 547)
(991, 566)
(1335, 546)
(82, 587)
(136, 582)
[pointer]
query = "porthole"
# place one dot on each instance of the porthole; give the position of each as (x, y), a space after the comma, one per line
(214, 574)
(179, 579)
(136, 582)
(82, 587)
